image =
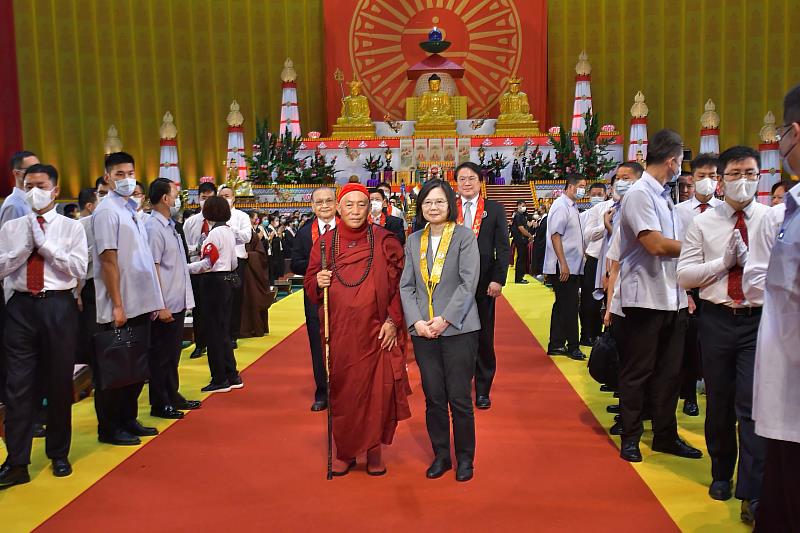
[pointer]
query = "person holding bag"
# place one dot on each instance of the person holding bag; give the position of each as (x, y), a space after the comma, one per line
(217, 280)
(438, 294)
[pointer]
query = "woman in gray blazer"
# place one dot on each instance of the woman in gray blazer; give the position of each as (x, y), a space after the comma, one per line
(438, 294)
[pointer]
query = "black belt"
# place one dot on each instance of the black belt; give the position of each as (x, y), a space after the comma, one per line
(739, 311)
(43, 294)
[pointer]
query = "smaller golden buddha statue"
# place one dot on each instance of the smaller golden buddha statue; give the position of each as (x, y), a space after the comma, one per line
(434, 104)
(514, 107)
(355, 108)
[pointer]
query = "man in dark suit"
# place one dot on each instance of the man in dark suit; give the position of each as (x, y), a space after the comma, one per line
(486, 218)
(379, 214)
(323, 203)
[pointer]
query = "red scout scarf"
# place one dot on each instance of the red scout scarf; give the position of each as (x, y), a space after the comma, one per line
(477, 218)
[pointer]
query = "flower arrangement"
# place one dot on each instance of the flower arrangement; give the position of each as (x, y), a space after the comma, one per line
(565, 161)
(372, 164)
(593, 159)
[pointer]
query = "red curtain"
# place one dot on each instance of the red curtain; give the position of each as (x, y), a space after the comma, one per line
(10, 125)
(377, 41)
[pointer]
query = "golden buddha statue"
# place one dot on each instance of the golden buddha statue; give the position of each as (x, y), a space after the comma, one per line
(515, 116)
(434, 105)
(355, 120)
(355, 108)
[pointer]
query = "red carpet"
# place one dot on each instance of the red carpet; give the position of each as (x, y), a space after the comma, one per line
(255, 460)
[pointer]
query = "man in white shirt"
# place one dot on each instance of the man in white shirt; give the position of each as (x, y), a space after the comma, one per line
(563, 263)
(87, 201)
(593, 232)
(42, 257)
(195, 231)
(651, 333)
(243, 231)
(713, 256)
(15, 206)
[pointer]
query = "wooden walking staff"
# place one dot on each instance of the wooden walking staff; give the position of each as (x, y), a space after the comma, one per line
(324, 264)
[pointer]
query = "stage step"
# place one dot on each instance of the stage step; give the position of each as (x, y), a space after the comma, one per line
(507, 196)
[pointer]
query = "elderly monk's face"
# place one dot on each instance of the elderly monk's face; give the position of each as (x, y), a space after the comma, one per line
(353, 208)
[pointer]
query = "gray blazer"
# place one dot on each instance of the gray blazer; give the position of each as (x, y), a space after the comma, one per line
(454, 296)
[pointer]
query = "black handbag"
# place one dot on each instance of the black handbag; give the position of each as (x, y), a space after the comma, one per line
(121, 357)
(604, 360)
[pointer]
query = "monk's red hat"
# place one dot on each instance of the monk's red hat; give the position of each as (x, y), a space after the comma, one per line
(350, 187)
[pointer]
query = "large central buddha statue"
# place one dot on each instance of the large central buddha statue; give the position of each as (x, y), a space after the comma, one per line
(514, 106)
(434, 104)
(355, 108)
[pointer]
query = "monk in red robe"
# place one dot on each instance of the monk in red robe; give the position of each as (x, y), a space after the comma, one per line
(368, 379)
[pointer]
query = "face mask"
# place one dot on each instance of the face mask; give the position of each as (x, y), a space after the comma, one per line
(705, 187)
(621, 187)
(376, 206)
(230, 202)
(173, 211)
(38, 198)
(99, 199)
(536, 216)
(741, 190)
(125, 186)
(137, 201)
(785, 161)
(522, 209)
(580, 192)
(676, 175)
(594, 200)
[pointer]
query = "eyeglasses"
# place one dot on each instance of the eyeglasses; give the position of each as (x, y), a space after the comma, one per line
(427, 204)
(329, 201)
(739, 174)
(468, 179)
(783, 130)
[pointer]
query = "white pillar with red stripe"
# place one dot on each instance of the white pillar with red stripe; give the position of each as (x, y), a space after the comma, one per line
(236, 140)
(637, 143)
(709, 134)
(583, 93)
(290, 114)
(770, 159)
(168, 163)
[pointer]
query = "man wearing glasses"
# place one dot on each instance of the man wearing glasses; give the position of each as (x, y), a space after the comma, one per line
(713, 256)
(323, 204)
(15, 205)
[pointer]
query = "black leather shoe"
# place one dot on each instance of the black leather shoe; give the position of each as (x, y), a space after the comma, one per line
(438, 468)
(588, 341)
(557, 351)
(188, 405)
(319, 405)
(13, 475)
(630, 452)
(576, 354)
(522, 282)
(197, 353)
(167, 411)
(677, 447)
(606, 388)
(616, 429)
(721, 490)
(120, 438)
(464, 471)
(483, 402)
(61, 467)
(690, 408)
(612, 408)
(749, 511)
(234, 345)
(39, 431)
(135, 428)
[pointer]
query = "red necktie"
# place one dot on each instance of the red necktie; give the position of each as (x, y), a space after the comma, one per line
(36, 267)
(326, 228)
(735, 274)
(204, 229)
(703, 208)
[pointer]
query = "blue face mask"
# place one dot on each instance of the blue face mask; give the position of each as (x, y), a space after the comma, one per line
(594, 200)
(580, 193)
(621, 187)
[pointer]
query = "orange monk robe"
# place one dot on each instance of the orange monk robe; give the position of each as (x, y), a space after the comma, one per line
(369, 385)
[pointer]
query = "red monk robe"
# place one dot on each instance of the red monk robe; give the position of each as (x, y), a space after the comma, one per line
(368, 385)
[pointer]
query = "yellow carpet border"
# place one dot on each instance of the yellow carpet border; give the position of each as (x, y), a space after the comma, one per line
(24, 507)
(681, 485)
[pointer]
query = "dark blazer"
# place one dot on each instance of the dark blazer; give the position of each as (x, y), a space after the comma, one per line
(493, 246)
(395, 225)
(301, 248)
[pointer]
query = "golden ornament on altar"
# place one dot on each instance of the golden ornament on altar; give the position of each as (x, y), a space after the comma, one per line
(288, 74)
(355, 108)
(113, 143)
(235, 118)
(583, 67)
(710, 119)
(434, 104)
(769, 134)
(515, 117)
(639, 108)
(168, 131)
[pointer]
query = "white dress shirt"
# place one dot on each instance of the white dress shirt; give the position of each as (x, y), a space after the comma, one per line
(224, 240)
(86, 222)
(191, 232)
(564, 219)
(594, 228)
(613, 255)
(14, 206)
(760, 250)
(168, 253)
(689, 209)
(701, 263)
(64, 251)
(321, 224)
(242, 231)
(776, 384)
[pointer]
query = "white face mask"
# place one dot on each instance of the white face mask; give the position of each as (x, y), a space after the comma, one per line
(705, 187)
(741, 190)
(230, 201)
(377, 206)
(173, 211)
(522, 209)
(202, 203)
(125, 186)
(580, 192)
(137, 201)
(38, 198)
(621, 187)
(594, 200)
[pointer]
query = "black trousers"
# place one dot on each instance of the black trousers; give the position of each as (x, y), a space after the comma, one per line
(564, 317)
(486, 365)
(778, 510)
(39, 337)
(116, 408)
(691, 369)
(87, 324)
(236, 302)
(164, 355)
(590, 309)
(315, 344)
(729, 353)
(650, 345)
(2, 347)
(197, 314)
(217, 294)
(520, 267)
(446, 366)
